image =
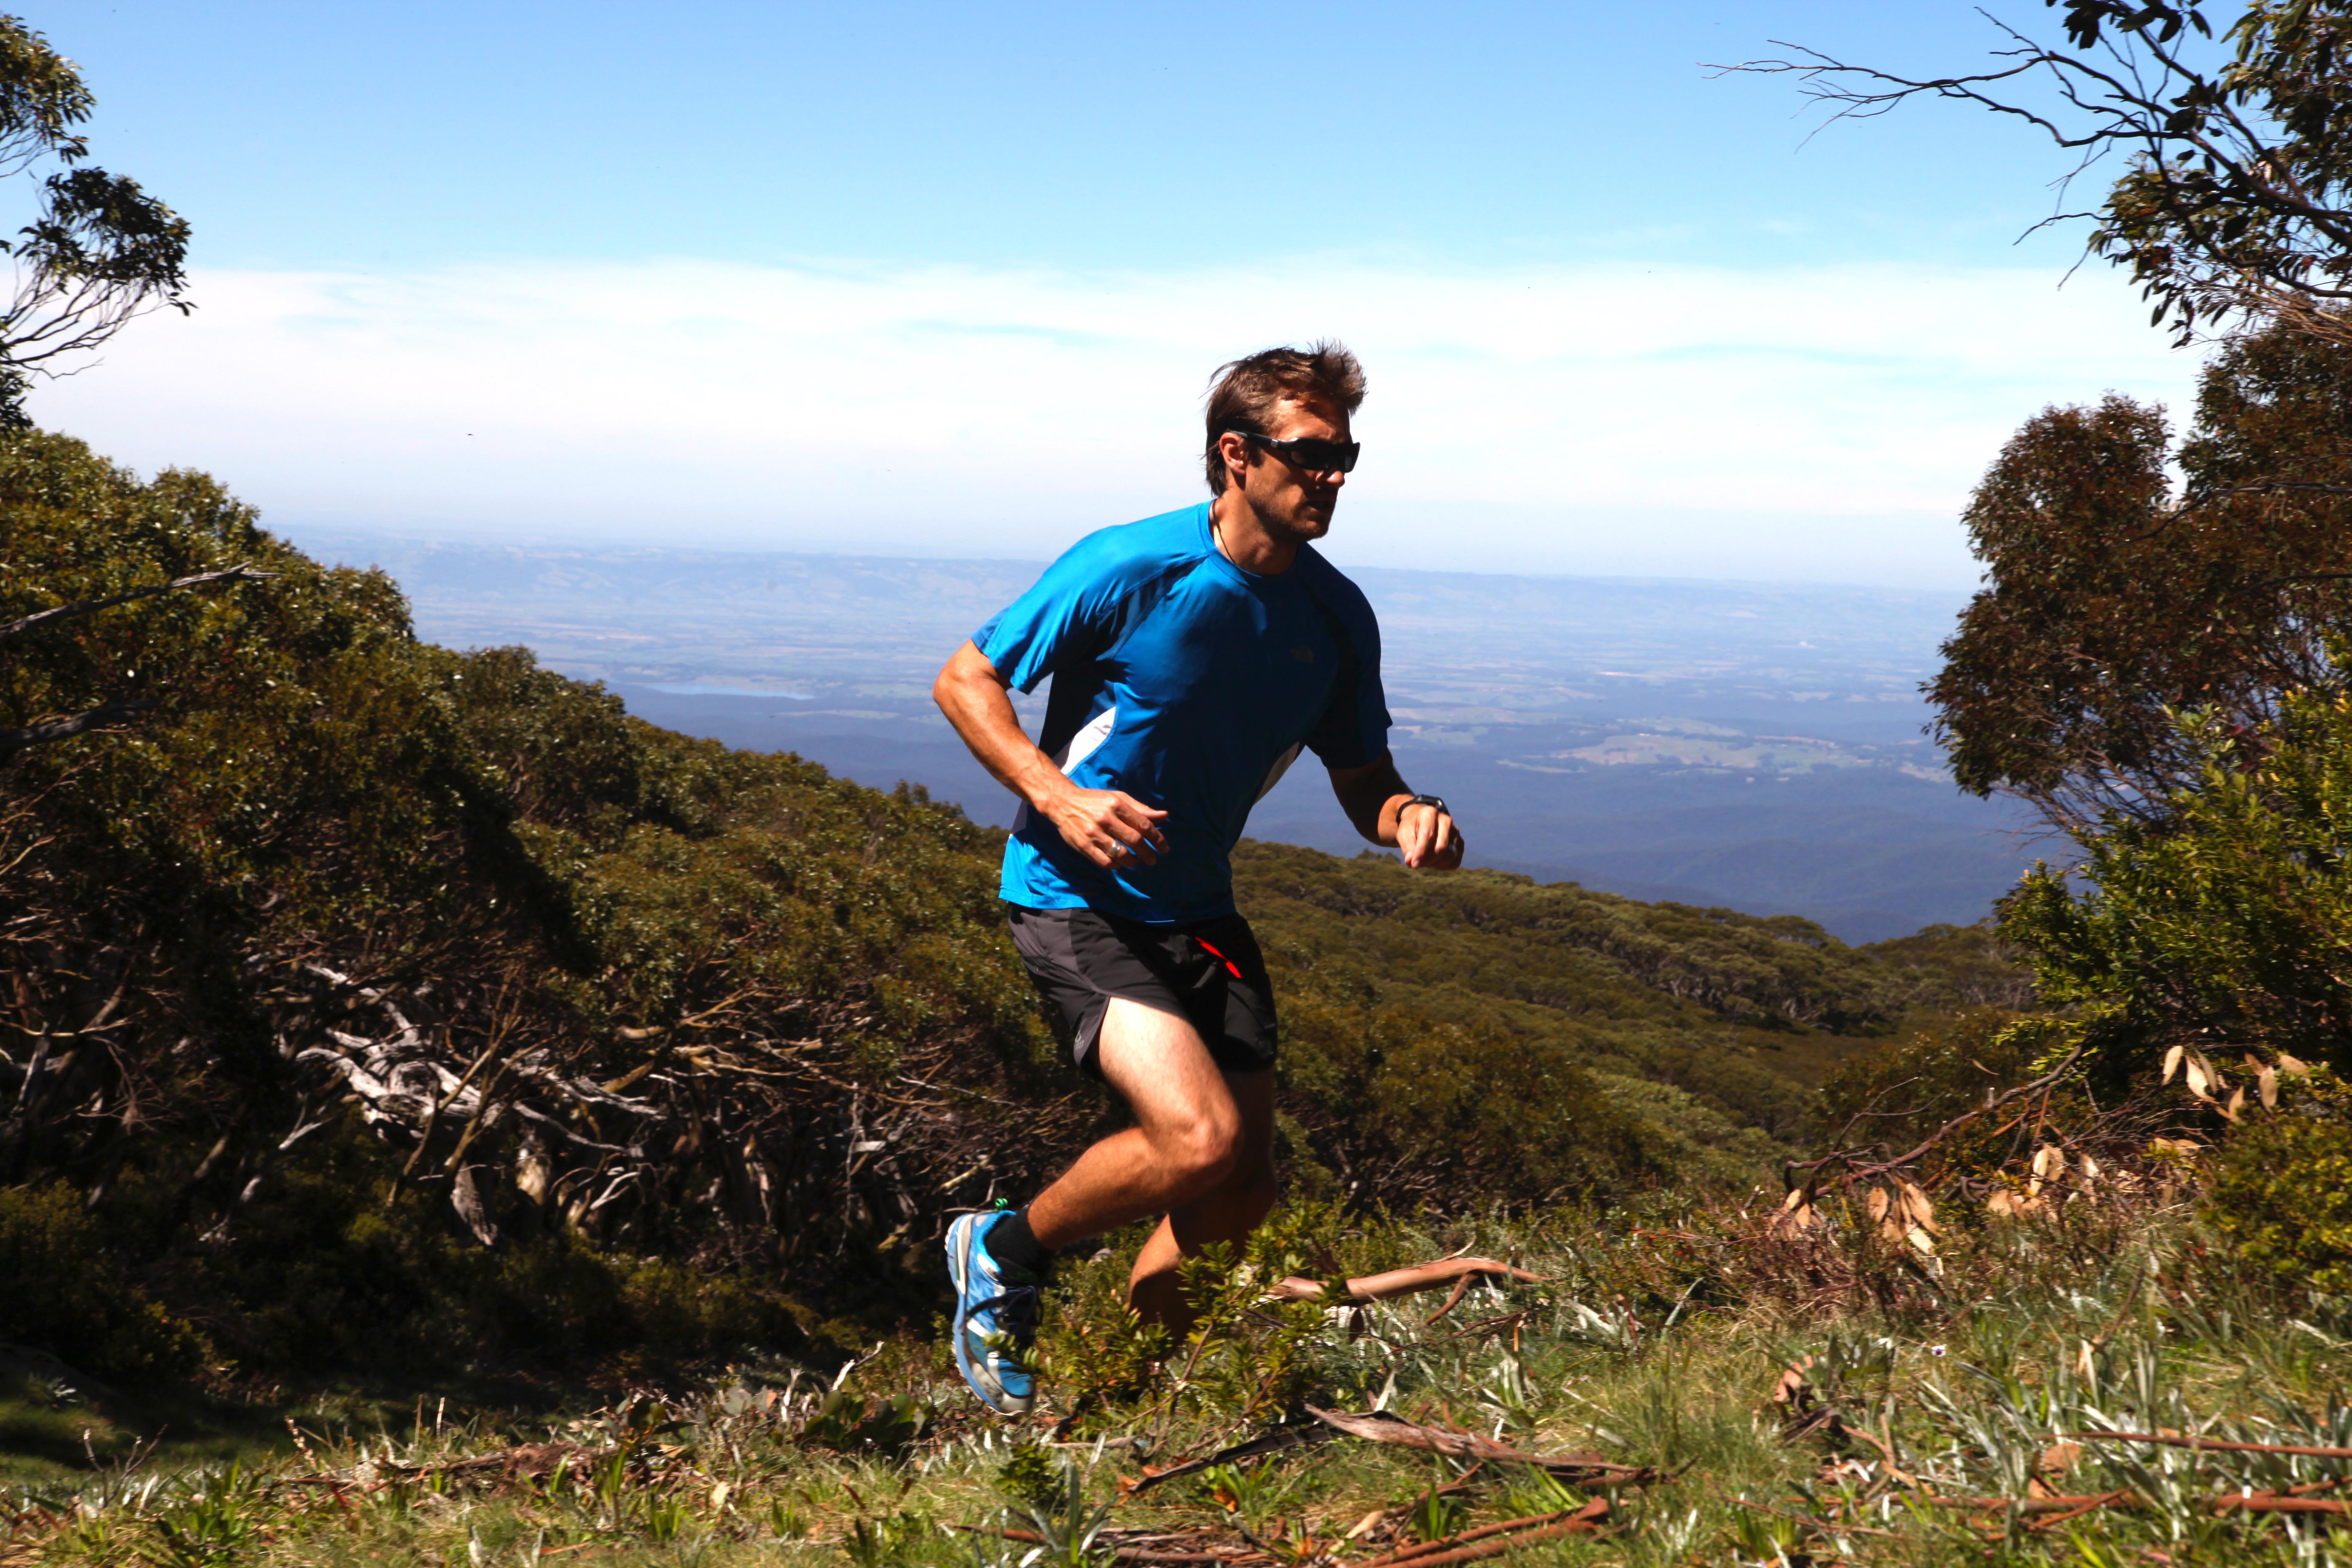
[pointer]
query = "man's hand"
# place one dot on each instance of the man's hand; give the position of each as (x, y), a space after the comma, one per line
(1428, 837)
(1376, 800)
(1108, 827)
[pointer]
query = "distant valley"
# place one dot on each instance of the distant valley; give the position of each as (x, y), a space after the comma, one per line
(1754, 745)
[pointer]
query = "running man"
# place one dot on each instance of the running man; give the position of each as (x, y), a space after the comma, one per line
(1193, 655)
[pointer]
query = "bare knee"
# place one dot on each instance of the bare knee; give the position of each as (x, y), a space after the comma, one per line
(1199, 1154)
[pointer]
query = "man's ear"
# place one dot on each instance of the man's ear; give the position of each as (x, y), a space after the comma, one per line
(1236, 450)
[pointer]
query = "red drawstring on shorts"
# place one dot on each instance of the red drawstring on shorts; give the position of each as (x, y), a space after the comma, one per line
(1221, 958)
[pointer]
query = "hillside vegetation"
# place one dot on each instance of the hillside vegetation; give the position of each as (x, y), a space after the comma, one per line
(373, 1005)
(381, 1018)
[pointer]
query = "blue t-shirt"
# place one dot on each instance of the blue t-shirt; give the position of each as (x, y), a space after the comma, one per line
(1191, 685)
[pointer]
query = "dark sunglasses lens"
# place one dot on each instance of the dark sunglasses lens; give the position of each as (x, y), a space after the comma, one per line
(1326, 457)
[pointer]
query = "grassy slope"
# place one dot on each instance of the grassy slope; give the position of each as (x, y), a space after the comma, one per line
(1967, 1374)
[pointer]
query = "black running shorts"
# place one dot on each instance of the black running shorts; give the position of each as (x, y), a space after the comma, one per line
(1209, 972)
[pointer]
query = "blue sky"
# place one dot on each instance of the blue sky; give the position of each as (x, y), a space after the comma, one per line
(948, 279)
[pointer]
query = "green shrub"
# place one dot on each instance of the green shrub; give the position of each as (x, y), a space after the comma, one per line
(2280, 1190)
(2222, 921)
(62, 1289)
(1905, 1088)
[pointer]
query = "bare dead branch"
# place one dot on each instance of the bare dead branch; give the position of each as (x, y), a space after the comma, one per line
(1862, 1172)
(1505, 1536)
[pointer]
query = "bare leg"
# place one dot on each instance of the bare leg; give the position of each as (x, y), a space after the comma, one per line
(1200, 1153)
(1227, 1212)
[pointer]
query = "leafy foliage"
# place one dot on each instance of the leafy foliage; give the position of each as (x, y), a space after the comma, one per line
(1900, 1093)
(2218, 930)
(1482, 1034)
(2240, 196)
(101, 249)
(61, 1284)
(319, 823)
(2111, 603)
(2281, 1192)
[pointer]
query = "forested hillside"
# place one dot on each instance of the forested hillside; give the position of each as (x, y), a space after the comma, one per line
(372, 1004)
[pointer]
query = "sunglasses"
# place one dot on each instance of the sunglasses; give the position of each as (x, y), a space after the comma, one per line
(1310, 453)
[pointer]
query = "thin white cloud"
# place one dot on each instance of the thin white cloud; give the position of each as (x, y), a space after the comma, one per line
(1822, 422)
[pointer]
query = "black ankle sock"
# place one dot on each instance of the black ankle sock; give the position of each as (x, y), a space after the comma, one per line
(1016, 1248)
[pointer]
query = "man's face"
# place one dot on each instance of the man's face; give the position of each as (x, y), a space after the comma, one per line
(1295, 503)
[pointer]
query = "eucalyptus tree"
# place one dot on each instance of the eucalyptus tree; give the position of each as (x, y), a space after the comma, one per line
(99, 250)
(2235, 200)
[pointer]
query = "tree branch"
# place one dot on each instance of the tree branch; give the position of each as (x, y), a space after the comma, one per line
(2047, 1081)
(13, 740)
(40, 619)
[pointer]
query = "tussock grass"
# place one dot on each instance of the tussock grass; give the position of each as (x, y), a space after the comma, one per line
(1659, 1338)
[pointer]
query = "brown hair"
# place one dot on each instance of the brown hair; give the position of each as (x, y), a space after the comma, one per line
(1243, 395)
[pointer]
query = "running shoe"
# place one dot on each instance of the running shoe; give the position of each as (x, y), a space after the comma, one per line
(995, 1319)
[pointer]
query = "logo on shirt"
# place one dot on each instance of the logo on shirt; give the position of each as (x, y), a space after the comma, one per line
(1303, 654)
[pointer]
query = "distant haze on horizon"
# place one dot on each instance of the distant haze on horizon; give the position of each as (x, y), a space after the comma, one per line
(944, 282)
(361, 544)
(1705, 423)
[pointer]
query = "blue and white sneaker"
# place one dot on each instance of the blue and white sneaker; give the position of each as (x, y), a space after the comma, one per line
(995, 1321)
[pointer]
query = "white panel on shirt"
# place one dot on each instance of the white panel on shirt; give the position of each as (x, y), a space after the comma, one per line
(1076, 750)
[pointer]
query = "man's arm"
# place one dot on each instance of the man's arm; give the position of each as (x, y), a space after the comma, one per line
(1374, 798)
(1108, 826)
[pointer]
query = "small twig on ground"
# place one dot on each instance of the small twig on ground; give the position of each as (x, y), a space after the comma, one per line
(2171, 1441)
(2107, 1500)
(1118, 1554)
(1497, 1538)
(1272, 1441)
(1404, 1282)
(2277, 1502)
(1827, 1527)
(1461, 1288)
(1381, 1428)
